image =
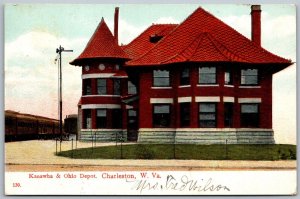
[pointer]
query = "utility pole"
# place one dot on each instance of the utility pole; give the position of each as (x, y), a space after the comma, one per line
(59, 51)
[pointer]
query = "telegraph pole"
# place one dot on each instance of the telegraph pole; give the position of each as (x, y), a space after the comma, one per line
(59, 51)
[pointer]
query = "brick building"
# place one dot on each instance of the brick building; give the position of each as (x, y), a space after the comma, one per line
(199, 81)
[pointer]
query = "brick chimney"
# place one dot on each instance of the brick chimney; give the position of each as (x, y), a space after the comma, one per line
(116, 23)
(256, 24)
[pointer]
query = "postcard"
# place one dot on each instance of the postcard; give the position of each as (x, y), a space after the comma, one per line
(150, 99)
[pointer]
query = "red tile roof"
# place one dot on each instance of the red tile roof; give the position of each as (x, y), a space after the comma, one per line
(101, 45)
(141, 44)
(204, 38)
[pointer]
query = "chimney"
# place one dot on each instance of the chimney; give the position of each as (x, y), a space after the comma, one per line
(116, 23)
(256, 24)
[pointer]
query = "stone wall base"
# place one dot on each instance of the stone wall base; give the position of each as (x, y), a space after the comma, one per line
(207, 136)
(103, 135)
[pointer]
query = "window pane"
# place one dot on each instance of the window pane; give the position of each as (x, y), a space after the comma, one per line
(117, 87)
(228, 114)
(249, 76)
(185, 77)
(101, 86)
(161, 116)
(207, 124)
(228, 77)
(101, 113)
(185, 114)
(161, 81)
(250, 115)
(249, 108)
(206, 107)
(161, 109)
(161, 78)
(131, 88)
(207, 116)
(101, 118)
(207, 75)
(161, 73)
(131, 113)
(87, 87)
(185, 72)
(116, 118)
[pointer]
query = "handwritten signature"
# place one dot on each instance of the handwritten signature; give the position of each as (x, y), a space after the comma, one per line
(181, 184)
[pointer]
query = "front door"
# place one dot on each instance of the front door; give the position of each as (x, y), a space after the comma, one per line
(132, 125)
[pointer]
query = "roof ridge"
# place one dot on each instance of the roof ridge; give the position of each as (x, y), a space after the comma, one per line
(198, 39)
(218, 44)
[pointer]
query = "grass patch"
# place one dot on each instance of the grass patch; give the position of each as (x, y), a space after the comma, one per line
(186, 151)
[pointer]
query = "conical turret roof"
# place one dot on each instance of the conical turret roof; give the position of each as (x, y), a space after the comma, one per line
(102, 45)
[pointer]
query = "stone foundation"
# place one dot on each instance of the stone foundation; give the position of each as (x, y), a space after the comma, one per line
(102, 135)
(207, 136)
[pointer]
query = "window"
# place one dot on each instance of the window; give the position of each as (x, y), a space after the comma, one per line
(228, 77)
(185, 76)
(101, 121)
(87, 89)
(207, 75)
(117, 88)
(131, 88)
(116, 118)
(249, 115)
(184, 114)
(228, 115)
(161, 78)
(87, 122)
(249, 77)
(207, 115)
(101, 86)
(161, 115)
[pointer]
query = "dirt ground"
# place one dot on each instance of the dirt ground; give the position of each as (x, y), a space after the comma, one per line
(39, 155)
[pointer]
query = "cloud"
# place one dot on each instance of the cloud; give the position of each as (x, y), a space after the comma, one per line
(31, 75)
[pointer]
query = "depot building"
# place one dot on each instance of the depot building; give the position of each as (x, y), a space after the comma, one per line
(199, 81)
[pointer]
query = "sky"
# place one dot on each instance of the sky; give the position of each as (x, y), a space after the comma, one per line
(33, 32)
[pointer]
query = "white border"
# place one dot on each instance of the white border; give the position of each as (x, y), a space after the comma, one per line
(97, 75)
(228, 99)
(208, 85)
(157, 87)
(249, 100)
(161, 100)
(249, 86)
(207, 99)
(101, 95)
(184, 99)
(99, 106)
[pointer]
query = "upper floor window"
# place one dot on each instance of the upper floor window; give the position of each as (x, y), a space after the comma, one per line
(101, 86)
(249, 77)
(117, 88)
(185, 76)
(161, 115)
(87, 87)
(228, 77)
(161, 78)
(207, 75)
(131, 88)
